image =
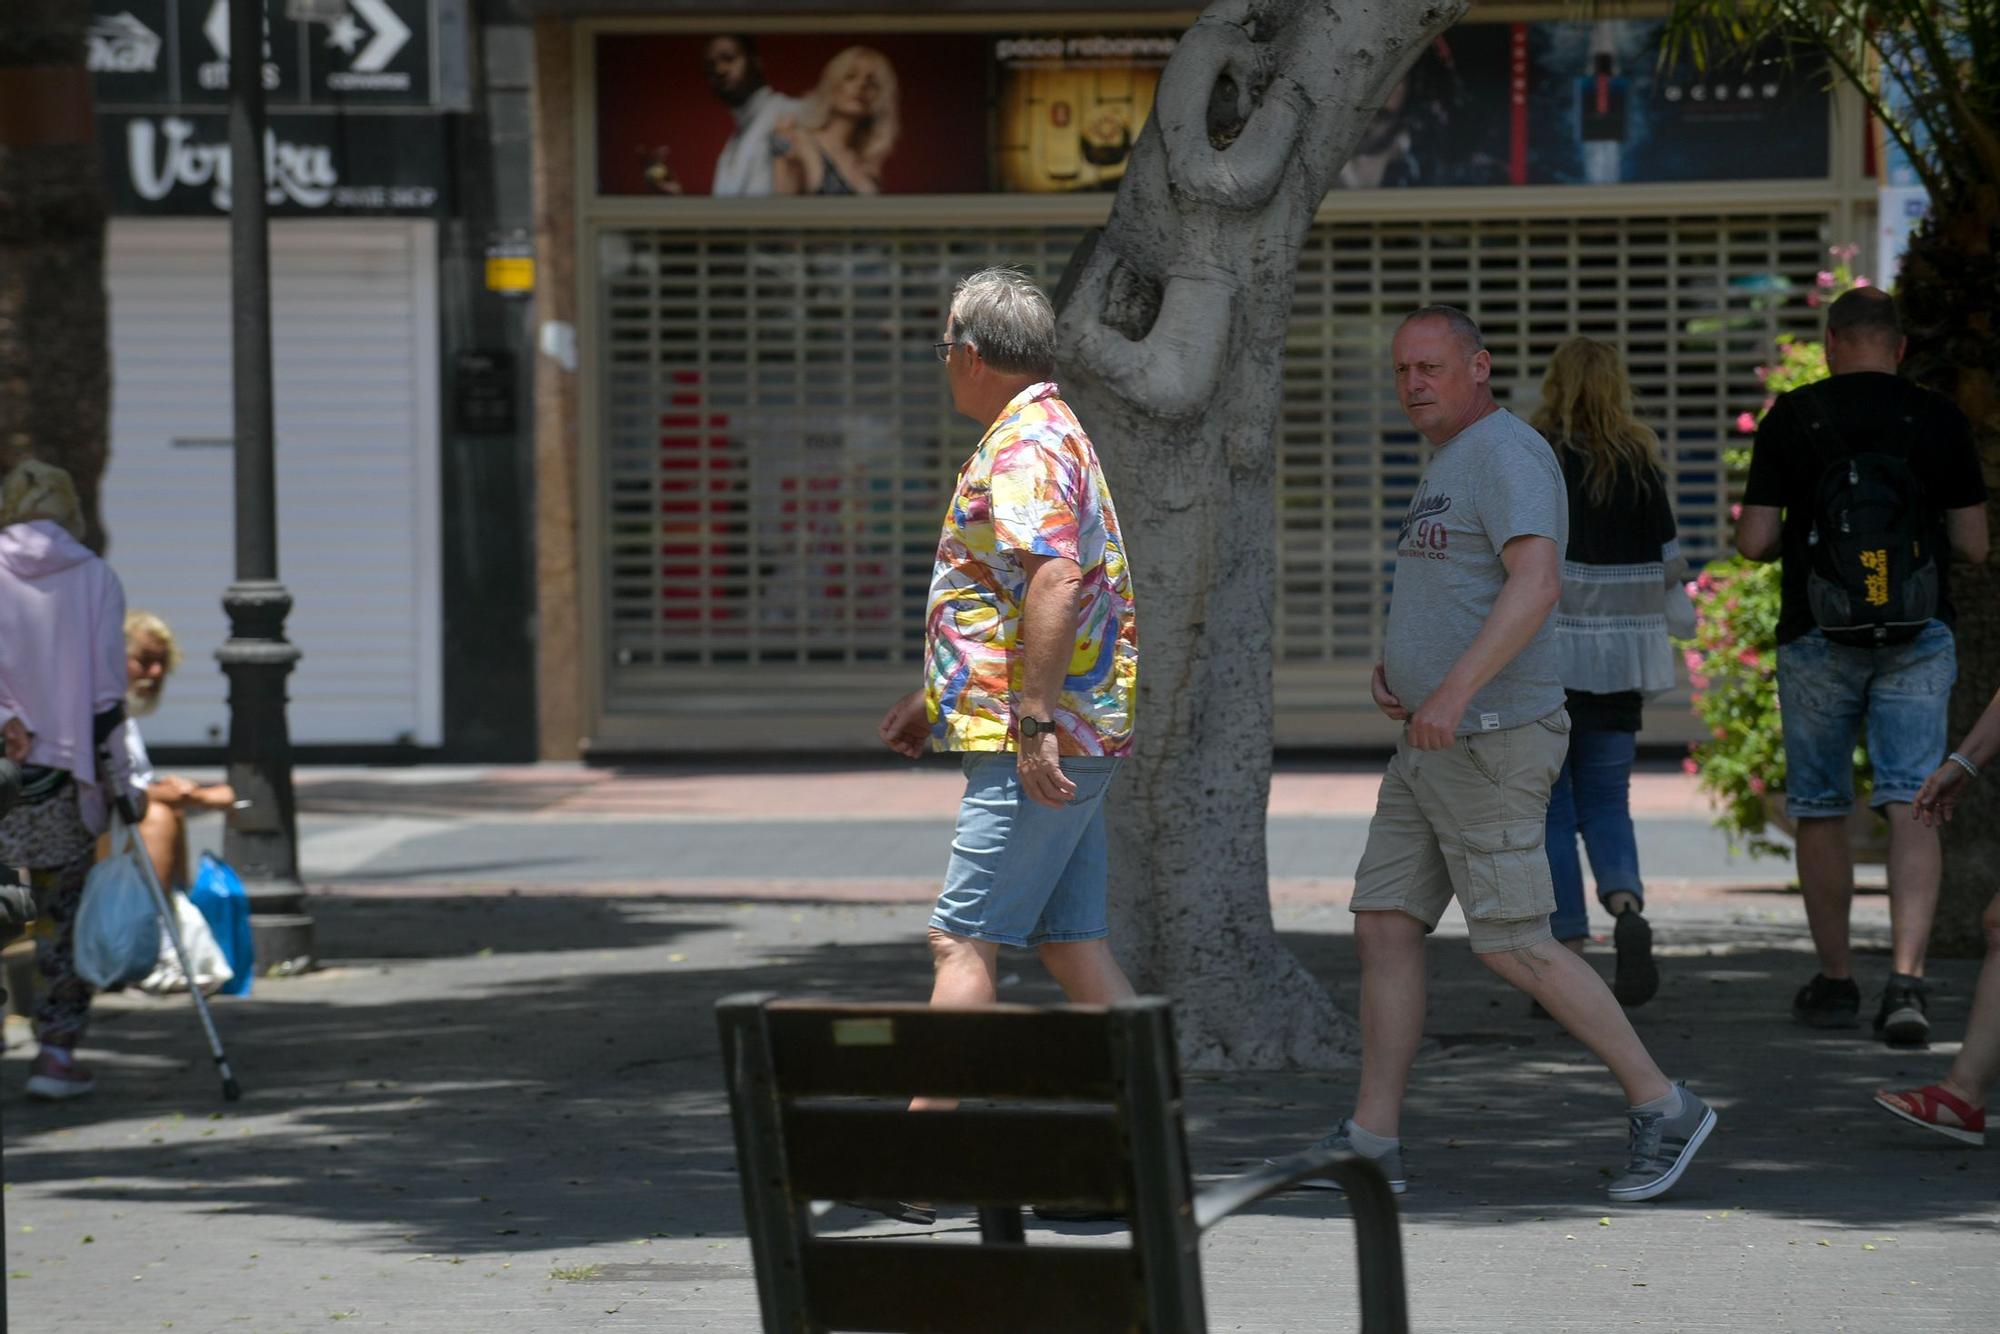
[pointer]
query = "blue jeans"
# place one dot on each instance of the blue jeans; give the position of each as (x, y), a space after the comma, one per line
(1592, 796)
(1828, 692)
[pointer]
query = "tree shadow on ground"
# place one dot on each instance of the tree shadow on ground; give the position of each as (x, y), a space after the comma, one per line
(545, 1095)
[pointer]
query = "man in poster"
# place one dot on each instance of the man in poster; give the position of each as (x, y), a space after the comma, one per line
(736, 76)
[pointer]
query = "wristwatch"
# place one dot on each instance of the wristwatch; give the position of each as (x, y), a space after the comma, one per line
(1034, 727)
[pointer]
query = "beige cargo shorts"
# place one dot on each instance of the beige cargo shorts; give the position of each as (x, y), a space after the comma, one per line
(1468, 821)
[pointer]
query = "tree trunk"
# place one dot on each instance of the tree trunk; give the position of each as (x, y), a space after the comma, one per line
(1173, 332)
(1945, 289)
(55, 374)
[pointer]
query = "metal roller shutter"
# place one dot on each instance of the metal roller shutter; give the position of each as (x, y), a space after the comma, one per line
(354, 341)
(778, 443)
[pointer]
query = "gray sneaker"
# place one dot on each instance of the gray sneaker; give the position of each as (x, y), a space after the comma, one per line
(1391, 1162)
(1662, 1146)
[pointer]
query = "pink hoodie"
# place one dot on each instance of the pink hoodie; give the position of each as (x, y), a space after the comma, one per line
(62, 649)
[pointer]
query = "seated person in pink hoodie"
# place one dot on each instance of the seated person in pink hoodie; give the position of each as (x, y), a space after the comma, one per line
(62, 692)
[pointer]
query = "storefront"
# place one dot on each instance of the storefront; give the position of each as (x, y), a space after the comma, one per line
(362, 186)
(751, 454)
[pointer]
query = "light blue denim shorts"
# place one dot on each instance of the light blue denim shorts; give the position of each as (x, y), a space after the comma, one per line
(1828, 691)
(1022, 873)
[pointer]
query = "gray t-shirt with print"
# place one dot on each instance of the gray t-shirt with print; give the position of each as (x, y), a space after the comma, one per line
(1492, 482)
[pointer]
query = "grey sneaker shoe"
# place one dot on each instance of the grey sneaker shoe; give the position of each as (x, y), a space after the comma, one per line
(1391, 1163)
(1661, 1148)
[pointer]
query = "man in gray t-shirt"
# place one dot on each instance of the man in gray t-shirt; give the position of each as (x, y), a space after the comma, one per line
(1470, 670)
(1493, 482)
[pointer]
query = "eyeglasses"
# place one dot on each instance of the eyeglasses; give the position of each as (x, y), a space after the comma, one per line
(943, 349)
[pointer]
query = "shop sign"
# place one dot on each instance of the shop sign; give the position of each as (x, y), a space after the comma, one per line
(778, 114)
(314, 165)
(156, 54)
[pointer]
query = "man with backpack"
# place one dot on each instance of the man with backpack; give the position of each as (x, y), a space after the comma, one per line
(1864, 485)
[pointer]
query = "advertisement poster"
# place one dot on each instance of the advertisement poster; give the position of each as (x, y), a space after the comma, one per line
(793, 114)
(1069, 107)
(1559, 103)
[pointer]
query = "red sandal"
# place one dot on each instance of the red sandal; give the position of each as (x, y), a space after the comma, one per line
(1935, 1108)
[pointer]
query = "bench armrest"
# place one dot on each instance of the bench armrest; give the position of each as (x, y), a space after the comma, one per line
(1378, 1238)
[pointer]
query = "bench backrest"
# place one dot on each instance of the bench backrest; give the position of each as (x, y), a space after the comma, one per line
(1070, 1106)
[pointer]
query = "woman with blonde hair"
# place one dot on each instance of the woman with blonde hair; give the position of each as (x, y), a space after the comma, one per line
(843, 134)
(1623, 594)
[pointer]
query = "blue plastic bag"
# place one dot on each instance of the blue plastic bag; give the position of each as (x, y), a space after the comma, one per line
(117, 927)
(219, 894)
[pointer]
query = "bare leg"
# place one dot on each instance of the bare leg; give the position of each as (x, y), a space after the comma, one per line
(164, 834)
(1576, 997)
(1619, 901)
(1086, 970)
(1575, 946)
(1915, 864)
(1391, 945)
(1826, 878)
(966, 974)
(1978, 1063)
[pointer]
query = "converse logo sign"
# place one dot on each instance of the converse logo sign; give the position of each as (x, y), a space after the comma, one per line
(121, 44)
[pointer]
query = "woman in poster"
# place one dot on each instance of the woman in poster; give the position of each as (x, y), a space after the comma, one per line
(839, 140)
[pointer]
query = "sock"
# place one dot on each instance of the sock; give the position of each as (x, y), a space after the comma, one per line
(1668, 1102)
(1369, 1144)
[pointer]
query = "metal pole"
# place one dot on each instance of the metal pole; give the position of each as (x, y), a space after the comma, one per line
(261, 840)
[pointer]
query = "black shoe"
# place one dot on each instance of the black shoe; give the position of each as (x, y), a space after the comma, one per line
(1827, 1003)
(1636, 977)
(900, 1210)
(1902, 1020)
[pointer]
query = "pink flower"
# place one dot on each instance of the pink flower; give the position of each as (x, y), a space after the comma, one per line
(1748, 657)
(1721, 733)
(1825, 278)
(1757, 785)
(1812, 299)
(1688, 766)
(1861, 282)
(1692, 659)
(1705, 582)
(1732, 604)
(1693, 588)
(1698, 682)
(1736, 514)
(1763, 372)
(1746, 423)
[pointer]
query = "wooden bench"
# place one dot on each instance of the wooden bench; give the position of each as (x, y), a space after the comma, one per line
(1071, 1107)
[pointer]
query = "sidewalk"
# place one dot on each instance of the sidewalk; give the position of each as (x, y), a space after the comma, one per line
(498, 1106)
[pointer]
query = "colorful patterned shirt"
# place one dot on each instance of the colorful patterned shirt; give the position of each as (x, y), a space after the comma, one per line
(1033, 487)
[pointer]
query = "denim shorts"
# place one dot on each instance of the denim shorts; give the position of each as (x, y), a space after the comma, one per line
(1828, 691)
(1023, 873)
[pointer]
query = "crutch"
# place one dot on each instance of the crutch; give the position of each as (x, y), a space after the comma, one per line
(136, 850)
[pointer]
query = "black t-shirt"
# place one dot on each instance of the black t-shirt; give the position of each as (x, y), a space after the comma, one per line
(1865, 410)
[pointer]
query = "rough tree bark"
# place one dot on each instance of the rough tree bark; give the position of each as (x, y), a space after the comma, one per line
(55, 373)
(1946, 289)
(1173, 329)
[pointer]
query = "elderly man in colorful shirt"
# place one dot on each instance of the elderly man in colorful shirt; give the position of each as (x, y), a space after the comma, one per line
(1032, 652)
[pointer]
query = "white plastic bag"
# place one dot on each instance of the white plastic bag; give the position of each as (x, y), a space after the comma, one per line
(117, 931)
(205, 956)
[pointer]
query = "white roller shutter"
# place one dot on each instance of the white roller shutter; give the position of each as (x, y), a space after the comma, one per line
(355, 353)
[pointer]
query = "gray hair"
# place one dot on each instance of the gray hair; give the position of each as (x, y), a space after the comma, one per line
(1460, 323)
(1003, 314)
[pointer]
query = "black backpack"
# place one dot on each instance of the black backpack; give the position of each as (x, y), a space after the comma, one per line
(1872, 577)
